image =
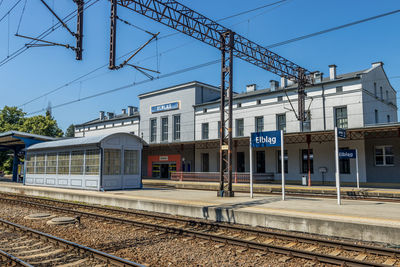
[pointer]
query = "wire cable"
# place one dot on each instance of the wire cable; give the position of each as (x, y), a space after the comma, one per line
(332, 29)
(9, 11)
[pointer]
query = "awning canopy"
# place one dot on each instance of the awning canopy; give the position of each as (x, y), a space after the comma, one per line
(14, 140)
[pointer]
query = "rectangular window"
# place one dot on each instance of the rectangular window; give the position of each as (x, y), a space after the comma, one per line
(381, 91)
(239, 105)
(388, 118)
(40, 163)
(239, 127)
(177, 127)
(164, 129)
(339, 89)
(280, 98)
(112, 162)
(259, 123)
(384, 156)
(77, 162)
(376, 116)
(341, 117)
(219, 129)
(30, 164)
(304, 161)
(204, 131)
(205, 167)
(63, 163)
(51, 163)
(131, 162)
(281, 122)
(280, 164)
(387, 96)
(153, 130)
(240, 167)
(375, 91)
(260, 161)
(259, 102)
(92, 162)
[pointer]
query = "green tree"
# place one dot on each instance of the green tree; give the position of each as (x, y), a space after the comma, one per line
(11, 118)
(42, 125)
(70, 132)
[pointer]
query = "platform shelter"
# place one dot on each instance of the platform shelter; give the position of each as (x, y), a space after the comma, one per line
(16, 142)
(104, 162)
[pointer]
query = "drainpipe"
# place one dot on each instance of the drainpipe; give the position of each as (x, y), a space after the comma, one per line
(323, 106)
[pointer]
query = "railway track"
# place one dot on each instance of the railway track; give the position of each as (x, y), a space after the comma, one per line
(291, 245)
(22, 246)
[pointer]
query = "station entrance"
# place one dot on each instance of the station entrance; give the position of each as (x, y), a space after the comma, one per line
(163, 170)
(163, 166)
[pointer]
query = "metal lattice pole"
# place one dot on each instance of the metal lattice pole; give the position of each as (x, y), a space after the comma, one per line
(226, 143)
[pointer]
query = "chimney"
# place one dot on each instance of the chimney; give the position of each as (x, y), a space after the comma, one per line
(123, 111)
(284, 83)
(130, 110)
(274, 85)
(110, 115)
(251, 87)
(332, 72)
(101, 115)
(377, 64)
(318, 76)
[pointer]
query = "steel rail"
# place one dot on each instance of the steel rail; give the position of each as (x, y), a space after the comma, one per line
(324, 258)
(311, 240)
(77, 247)
(12, 260)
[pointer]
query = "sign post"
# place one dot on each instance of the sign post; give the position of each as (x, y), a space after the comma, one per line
(267, 139)
(251, 169)
(342, 134)
(358, 175)
(283, 166)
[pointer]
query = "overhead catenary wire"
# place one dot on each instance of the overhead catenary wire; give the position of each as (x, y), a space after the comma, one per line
(332, 29)
(194, 67)
(158, 54)
(20, 18)
(11, 9)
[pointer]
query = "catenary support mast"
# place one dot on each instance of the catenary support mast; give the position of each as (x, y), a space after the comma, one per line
(185, 20)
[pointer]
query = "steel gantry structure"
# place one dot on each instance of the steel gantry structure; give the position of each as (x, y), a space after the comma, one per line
(187, 21)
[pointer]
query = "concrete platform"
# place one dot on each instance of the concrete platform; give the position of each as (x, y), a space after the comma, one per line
(362, 220)
(276, 188)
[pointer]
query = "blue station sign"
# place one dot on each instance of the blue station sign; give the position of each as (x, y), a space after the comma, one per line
(347, 154)
(266, 139)
(341, 133)
(165, 107)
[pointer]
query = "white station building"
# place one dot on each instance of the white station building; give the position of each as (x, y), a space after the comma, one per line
(180, 125)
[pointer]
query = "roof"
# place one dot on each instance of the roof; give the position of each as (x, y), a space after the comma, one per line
(292, 87)
(115, 118)
(15, 139)
(177, 87)
(78, 141)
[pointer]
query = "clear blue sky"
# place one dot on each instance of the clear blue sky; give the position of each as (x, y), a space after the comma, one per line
(39, 70)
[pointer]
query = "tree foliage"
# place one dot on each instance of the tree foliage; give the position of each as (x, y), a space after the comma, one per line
(70, 132)
(13, 119)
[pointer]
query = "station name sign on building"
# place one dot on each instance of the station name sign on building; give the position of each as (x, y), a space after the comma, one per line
(165, 107)
(266, 139)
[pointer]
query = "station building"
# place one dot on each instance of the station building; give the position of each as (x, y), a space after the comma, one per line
(181, 125)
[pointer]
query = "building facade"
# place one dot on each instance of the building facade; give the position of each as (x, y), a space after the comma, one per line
(181, 127)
